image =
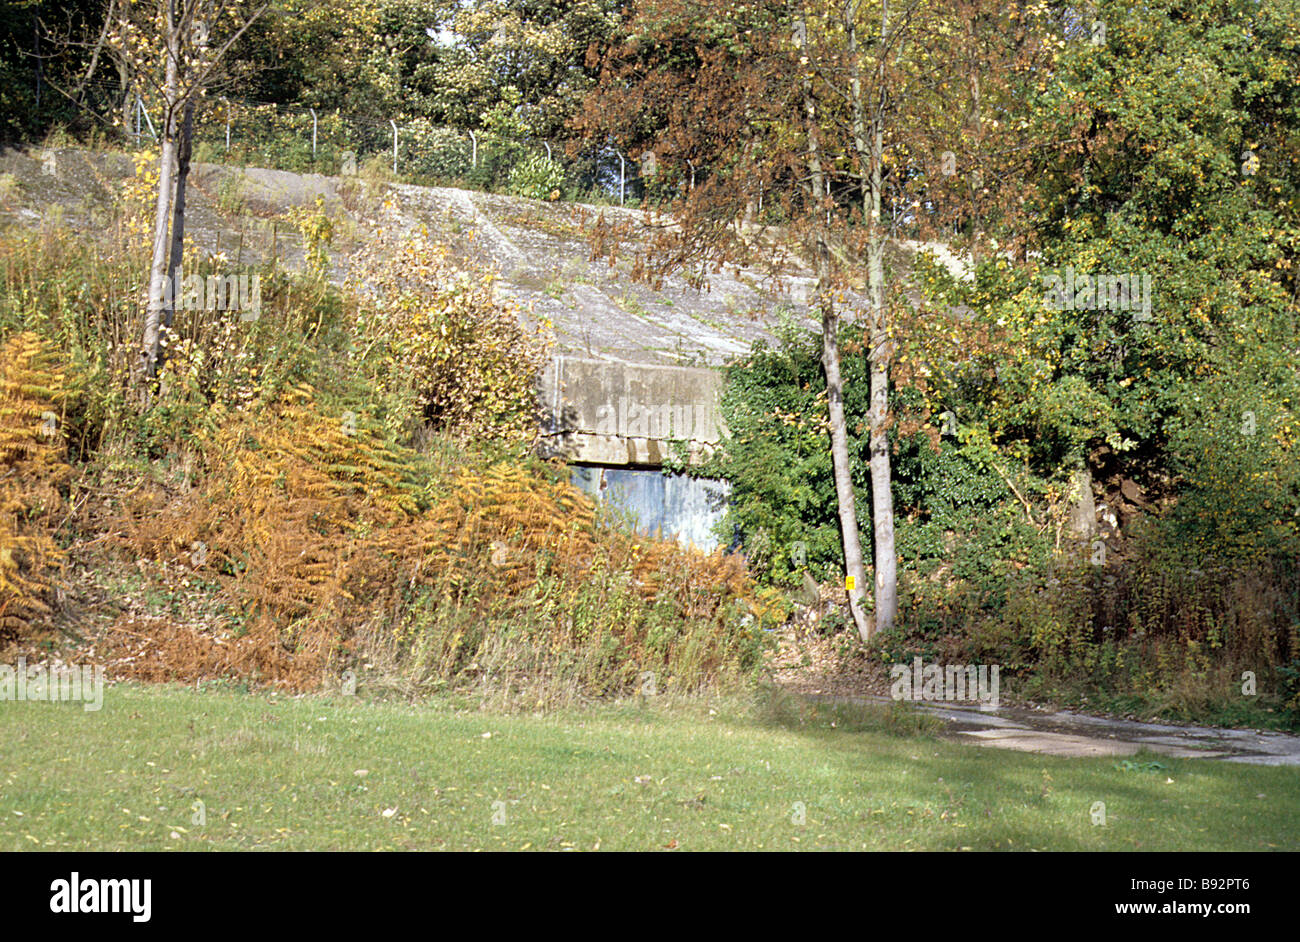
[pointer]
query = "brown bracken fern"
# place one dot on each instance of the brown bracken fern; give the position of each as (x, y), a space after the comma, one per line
(32, 469)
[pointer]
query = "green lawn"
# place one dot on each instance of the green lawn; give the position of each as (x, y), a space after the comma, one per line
(281, 773)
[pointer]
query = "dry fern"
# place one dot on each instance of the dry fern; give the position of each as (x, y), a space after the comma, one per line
(318, 532)
(32, 468)
(284, 515)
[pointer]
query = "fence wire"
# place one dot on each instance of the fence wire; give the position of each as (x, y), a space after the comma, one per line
(229, 129)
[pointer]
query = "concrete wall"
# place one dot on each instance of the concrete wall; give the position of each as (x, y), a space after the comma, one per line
(617, 423)
(614, 413)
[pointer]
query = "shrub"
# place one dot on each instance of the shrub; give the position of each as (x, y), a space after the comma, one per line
(467, 359)
(439, 156)
(536, 177)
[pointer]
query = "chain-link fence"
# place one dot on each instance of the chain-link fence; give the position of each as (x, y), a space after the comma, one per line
(229, 129)
(305, 140)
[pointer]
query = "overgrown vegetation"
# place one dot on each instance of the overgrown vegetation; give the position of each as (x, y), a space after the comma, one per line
(1096, 486)
(32, 472)
(1164, 615)
(337, 482)
(377, 434)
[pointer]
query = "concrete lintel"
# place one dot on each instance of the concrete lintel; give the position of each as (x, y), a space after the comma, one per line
(626, 414)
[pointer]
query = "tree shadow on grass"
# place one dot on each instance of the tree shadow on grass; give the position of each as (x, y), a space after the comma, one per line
(996, 799)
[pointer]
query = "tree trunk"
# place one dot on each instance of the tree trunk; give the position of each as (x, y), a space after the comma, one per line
(845, 500)
(128, 99)
(183, 152)
(882, 497)
(855, 583)
(1083, 507)
(177, 253)
(870, 153)
(148, 361)
(109, 17)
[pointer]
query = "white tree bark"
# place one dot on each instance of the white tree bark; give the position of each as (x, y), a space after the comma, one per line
(882, 496)
(855, 572)
(847, 504)
(158, 268)
(869, 144)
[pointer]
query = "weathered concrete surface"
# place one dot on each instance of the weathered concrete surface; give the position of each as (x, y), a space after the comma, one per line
(632, 360)
(229, 210)
(1051, 744)
(608, 412)
(612, 421)
(599, 310)
(542, 251)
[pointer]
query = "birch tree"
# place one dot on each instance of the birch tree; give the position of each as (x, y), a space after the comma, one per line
(836, 113)
(175, 47)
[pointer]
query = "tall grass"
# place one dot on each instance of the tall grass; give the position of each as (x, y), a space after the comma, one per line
(287, 464)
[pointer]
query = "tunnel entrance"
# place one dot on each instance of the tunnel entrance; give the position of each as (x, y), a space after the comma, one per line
(676, 506)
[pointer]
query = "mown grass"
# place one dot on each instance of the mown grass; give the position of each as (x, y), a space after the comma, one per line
(281, 773)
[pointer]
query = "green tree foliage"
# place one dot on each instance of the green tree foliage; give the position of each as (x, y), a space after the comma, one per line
(504, 65)
(954, 500)
(1186, 129)
(526, 56)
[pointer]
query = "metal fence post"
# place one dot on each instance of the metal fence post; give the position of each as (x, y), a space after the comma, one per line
(473, 159)
(622, 177)
(313, 133)
(394, 124)
(227, 103)
(147, 120)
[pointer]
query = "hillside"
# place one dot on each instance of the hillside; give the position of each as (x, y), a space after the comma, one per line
(540, 249)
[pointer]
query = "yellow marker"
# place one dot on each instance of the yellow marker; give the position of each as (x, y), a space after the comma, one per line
(849, 583)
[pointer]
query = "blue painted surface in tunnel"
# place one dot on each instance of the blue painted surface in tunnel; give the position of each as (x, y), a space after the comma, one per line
(675, 505)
